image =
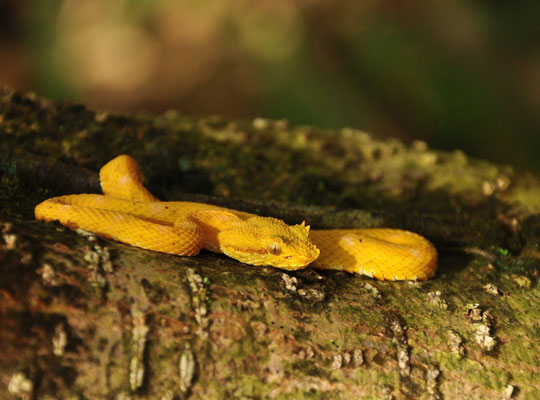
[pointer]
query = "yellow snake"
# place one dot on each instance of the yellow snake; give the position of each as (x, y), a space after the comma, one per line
(129, 213)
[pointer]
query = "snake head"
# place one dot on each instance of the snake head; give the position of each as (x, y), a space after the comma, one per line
(269, 241)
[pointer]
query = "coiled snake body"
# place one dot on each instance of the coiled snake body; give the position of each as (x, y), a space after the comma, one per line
(129, 213)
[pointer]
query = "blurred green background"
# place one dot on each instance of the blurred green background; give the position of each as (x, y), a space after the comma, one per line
(463, 74)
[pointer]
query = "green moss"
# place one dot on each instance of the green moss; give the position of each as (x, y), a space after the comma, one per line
(302, 334)
(306, 367)
(527, 384)
(241, 386)
(522, 351)
(245, 348)
(390, 379)
(492, 377)
(449, 361)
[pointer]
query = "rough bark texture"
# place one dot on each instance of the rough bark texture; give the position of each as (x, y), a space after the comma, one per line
(82, 317)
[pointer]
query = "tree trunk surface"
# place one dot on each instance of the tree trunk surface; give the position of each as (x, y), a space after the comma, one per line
(86, 318)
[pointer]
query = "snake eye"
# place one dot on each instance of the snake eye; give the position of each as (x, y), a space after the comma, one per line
(275, 248)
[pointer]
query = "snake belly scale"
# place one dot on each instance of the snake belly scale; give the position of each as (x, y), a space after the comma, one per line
(129, 213)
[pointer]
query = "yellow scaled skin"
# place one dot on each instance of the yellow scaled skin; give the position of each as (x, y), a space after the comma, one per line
(128, 213)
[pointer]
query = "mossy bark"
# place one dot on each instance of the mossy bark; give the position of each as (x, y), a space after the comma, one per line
(87, 318)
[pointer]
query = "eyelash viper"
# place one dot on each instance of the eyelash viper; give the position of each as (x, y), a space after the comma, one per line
(129, 213)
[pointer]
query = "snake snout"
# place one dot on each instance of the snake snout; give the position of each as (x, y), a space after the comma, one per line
(304, 258)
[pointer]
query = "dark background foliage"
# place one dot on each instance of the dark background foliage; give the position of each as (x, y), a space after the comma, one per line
(462, 74)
